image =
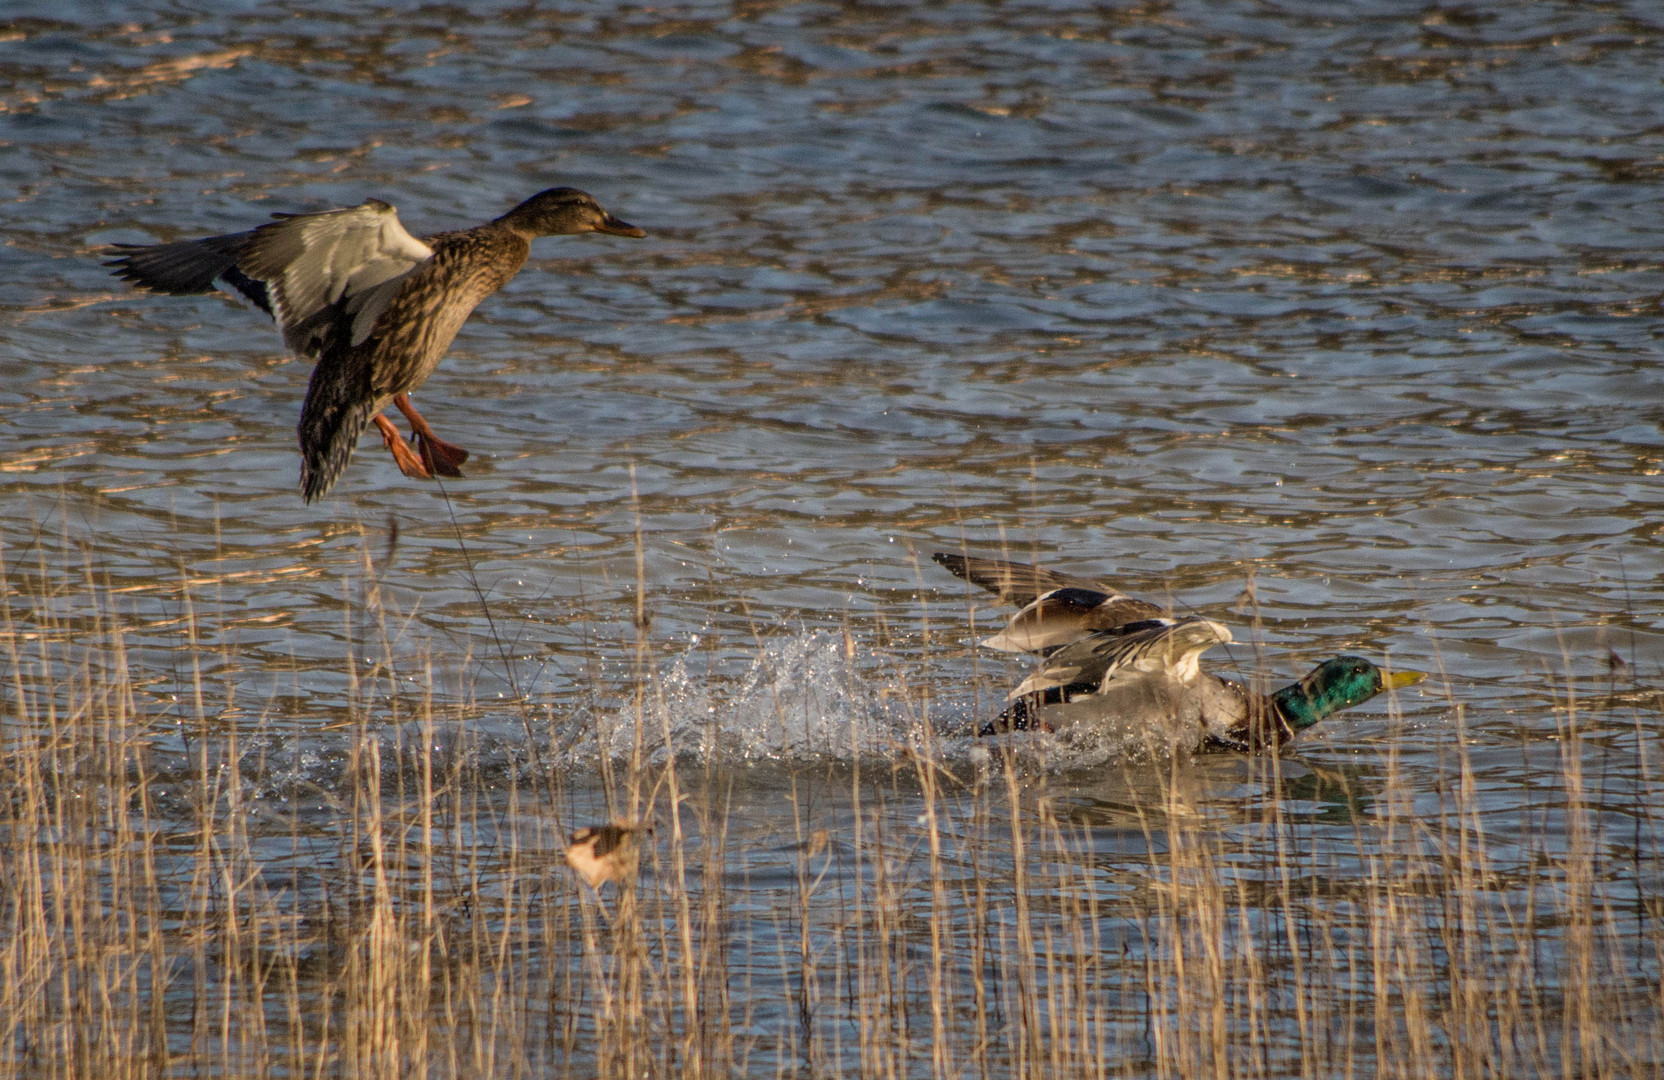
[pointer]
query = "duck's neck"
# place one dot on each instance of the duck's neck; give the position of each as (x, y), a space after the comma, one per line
(1296, 708)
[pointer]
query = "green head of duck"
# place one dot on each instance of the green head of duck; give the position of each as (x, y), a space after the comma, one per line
(1334, 685)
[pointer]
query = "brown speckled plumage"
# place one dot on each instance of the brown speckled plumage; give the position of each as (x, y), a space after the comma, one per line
(376, 307)
(603, 853)
(353, 383)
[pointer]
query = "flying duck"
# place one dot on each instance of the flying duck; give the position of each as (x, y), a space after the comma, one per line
(376, 307)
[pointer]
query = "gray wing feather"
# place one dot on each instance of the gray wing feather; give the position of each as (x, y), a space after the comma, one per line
(323, 268)
(1165, 647)
(188, 267)
(182, 268)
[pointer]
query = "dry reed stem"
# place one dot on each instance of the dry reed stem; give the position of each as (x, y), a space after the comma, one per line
(175, 900)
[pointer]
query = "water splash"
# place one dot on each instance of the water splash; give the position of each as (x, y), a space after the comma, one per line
(802, 699)
(805, 698)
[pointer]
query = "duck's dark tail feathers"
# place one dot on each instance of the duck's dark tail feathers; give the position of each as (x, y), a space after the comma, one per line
(340, 403)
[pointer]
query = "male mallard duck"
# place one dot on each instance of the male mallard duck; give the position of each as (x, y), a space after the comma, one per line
(376, 307)
(603, 853)
(1112, 658)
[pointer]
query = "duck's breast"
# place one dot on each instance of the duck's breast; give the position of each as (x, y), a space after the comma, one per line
(412, 335)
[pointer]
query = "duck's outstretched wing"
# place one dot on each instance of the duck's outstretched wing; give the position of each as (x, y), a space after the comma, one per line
(1057, 609)
(1065, 615)
(324, 277)
(187, 267)
(331, 275)
(1013, 582)
(1167, 648)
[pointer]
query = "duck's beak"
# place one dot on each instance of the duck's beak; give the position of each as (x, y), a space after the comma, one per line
(1400, 679)
(616, 227)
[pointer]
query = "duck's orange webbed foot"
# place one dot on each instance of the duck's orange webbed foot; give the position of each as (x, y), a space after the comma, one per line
(438, 455)
(408, 462)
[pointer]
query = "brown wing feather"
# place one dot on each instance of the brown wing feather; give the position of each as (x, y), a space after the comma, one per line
(603, 853)
(340, 402)
(1013, 582)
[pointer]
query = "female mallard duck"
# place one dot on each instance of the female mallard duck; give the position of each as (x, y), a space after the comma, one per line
(376, 307)
(1111, 658)
(603, 853)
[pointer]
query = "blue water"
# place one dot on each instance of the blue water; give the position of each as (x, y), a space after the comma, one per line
(1337, 324)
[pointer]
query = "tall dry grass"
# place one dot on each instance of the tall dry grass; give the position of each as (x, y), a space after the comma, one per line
(179, 898)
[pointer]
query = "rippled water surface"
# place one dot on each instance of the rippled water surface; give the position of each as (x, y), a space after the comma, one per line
(1336, 323)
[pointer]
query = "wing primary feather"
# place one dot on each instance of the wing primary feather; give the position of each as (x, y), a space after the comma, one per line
(1012, 582)
(183, 268)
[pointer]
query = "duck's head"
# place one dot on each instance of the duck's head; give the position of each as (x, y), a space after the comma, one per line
(1334, 685)
(562, 211)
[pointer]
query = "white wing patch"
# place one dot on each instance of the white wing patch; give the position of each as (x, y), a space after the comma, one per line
(347, 260)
